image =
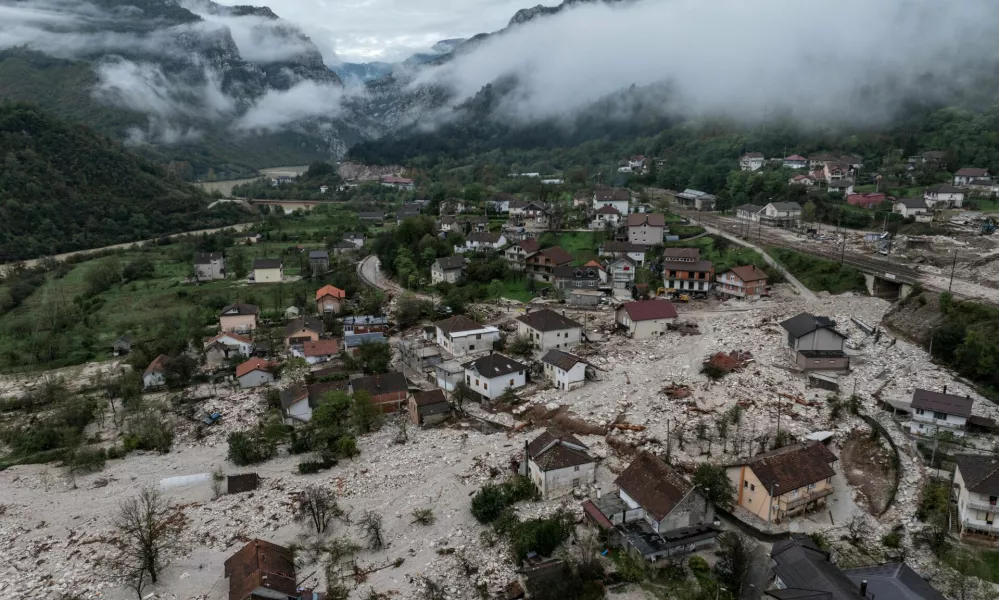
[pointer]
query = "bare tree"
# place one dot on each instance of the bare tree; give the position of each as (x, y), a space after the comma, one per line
(218, 480)
(317, 506)
(147, 531)
(857, 530)
(373, 530)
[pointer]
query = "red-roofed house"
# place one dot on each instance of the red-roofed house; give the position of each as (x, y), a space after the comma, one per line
(155, 374)
(518, 253)
(321, 351)
(865, 200)
(329, 299)
(796, 161)
(748, 282)
(399, 183)
(254, 373)
(645, 318)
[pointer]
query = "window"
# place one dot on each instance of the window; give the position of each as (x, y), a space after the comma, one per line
(471, 347)
(811, 486)
(919, 411)
(485, 385)
(468, 380)
(829, 480)
(752, 487)
(478, 336)
(576, 468)
(745, 484)
(627, 268)
(939, 415)
(511, 383)
(476, 381)
(794, 493)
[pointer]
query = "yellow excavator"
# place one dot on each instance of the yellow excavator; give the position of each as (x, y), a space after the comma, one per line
(672, 295)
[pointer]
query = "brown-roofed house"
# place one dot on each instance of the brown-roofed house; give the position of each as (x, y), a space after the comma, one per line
(567, 371)
(428, 408)
(558, 463)
(682, 254)
(541, 265)
(320, 351)
(645, 318)
(977, 482)
(548, 329)
(788, 481)
(646, 228)
(329, 299)
(936, 411)
(964, 176)
(261, 570)
(748, 282)
(255, 372)
(155, 374)
(388, 391)
(303, 329)
(667, 500)
(685, 276)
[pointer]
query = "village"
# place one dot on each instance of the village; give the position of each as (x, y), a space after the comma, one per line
(643, 404)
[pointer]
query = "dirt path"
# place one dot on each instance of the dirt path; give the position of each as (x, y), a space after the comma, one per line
(370, 272)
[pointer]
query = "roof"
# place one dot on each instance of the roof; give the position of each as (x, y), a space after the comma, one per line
(650, 219)
(329, 290)
(355, 320)
(376, 385)
(317, 254)
(893, 581)
(972, 172)
(158, 365)
(562, 360)
(945, 403)
(583, 273)
(254, 364)
(554, 449)
(612, 195)
(803, 567)
(394, 179)
(594, 263)
(684, 253)
(806, 323)
(753, 155)
(267, 263)
(842, 183)
(869, 198)
(647, 310)
(980, 473)
(206, 258)
(557, 255)
(344, 244)
(796, 157)
(547, 319)
(359, 339)
(449, 263)
(530, 245)
(792, 467)
(615, 246)
(292, 395)
(701, 266)
(241, 309)
(494, 365)
(786, 206)
(913, 202)
(944, 188)
(429, 398)
(484, 237)
(607, 210)
(260, 564)
(322, 348)
(235, 336)
(457, 324)
(654, 485)
(373, 215)
(310, 323)
(748, 273)
(752, 207)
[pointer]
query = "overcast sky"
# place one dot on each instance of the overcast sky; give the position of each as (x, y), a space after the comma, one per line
(391, 30)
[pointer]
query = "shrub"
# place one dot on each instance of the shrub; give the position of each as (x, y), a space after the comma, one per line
(713, 371)
(86, 459)
(892, 540)
(540, 535)
(248, 448)
(310, 467)
(488, 503)
(347, 447)
(115, 452)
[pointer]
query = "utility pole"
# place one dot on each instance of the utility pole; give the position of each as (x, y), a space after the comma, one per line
(953, 267)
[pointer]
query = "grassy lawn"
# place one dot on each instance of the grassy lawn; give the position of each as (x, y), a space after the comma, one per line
(726, 255)
(985, 563)
(981, 204)
(582, 245)
(516, 289)
(818, 274)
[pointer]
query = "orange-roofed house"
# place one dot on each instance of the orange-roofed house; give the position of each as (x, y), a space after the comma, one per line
(748, 282)
(329, 299)
(320, 351)
(255, 373)
(155, 374)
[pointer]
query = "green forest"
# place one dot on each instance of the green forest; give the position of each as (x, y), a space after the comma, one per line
(64, 187)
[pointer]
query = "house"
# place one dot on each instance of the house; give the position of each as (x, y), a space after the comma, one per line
(122, 345)
(460, 335)
(841, 186)
(591, 276)
(295, 405)
(964, 176)
(234, 344)
(578, 297)
(605, 217)
(155, 374)
(647, 228)
(448, 374)
(473, 223)
(252, 237)
(645, 318)
(320, 351)
(796, 161)
(558, 463)
(566, 371)
(240, 318)
(448, 223)
(687, 255)
(696, 200)
(913, 207)
(407, 211)
(682, 276)
(892, 580)
(517, 254)
(330, 299)
(209, 266)
(492, 374)
(785, 482)
(637, 163)
(353, 343)
(254, 373)
(548, 329)
(944, 195)
(323, 189)
(388, 392)
(500, 203)
(806, 180)
(359, 324)
(866, 201)
(976, 480)
(621, 273)
(617, 249)
(656, 513)
(935, 411)
(357, 239)
(267, 270)
(342, 247)
(478, 242)
(319, 261)
(983, 186)
(541, 265)
(262, 570)
(291, 312)
(781, 214)
(373, 217)
(615, 198)
(803, 570)
(449, 269)
(751, 161)
(301, 330)
(814, 344)
(836, 171)
(516, 208)
(749, 212)
(399, 183)
(428, 408)
(748, 282)
(452, 206)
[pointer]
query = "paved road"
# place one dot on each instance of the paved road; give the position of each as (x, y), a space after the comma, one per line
(370, 272)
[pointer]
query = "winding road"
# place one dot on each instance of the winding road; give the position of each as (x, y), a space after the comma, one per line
(369, 269)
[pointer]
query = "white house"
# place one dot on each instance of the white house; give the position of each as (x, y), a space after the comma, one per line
(237, 344)
(477, 242)
(781, 214)
(944, 195)
(558, 463)
(617, 198)
(547, 329)
(449, 269)
(319, 351)
(209, 266)
(460, 335)
(268, 270)
(254, 373)
(295, 405)
(913, 207)
(749, 212)
(637, 163)
(621, 273)
(617, 249)
(605, 217)
(399, 183)
(354, 238)
(966, 175)
(935, 411)
(796, 161)
(814, 344)
(645, 318)
(155, 374)
(566, 371)
(646, 228)
(492, 374)
(977, 481)
(751, 161)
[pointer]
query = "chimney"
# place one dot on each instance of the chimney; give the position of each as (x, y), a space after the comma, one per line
(863, 588)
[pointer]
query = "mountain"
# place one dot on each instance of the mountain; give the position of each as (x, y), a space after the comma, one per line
(64, 187)
(356, 74)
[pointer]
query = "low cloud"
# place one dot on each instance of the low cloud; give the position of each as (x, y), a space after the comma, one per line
(143, 87)
(280, 108)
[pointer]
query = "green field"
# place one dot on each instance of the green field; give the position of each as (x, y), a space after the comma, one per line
(820, 275)
(582, 245)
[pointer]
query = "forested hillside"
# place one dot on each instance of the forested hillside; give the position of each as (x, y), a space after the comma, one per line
(63, 187)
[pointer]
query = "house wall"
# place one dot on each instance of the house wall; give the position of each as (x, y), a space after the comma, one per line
(825, 363)
(328, 304)
(643, 330)
(620, 205)
(438, 275)
(494, 388)
(255, 378)
(151, 380)
(582, 299)
(925, 422)
(462, 343)
(448, 382)
(645, 234)
(238, 323)
(299, 412)
(301, 336)
(820, 339)
(975, 509)
(391, 402)
(692, 510)
(566, 380)
(634, 512)
(559, 482)
(267, 275)
(559, 340)
(753, 496)
(214, 270)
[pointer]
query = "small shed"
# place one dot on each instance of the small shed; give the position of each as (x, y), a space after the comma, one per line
(428, 408)
(237, 484)
(585, 297)
(122, 345)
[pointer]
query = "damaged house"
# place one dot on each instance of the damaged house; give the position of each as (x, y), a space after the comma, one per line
(814, 344)
(558, 463)
(785, 482)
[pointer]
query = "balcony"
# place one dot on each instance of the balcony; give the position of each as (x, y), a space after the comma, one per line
(803, 499)
(938, 422)
(981, 505)
(982, 526)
